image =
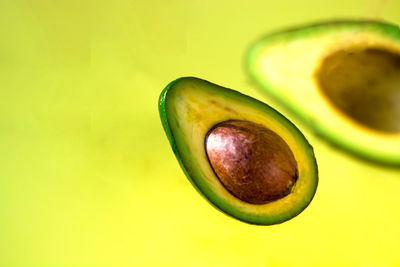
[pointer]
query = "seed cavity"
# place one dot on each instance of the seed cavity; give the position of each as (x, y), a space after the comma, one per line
(364, 84)
(252, 162)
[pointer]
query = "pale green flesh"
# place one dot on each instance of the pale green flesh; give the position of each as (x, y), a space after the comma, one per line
(296, 67)
(191, 107)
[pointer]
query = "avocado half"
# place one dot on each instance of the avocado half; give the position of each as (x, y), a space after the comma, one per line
(342, 78)
(190, 108)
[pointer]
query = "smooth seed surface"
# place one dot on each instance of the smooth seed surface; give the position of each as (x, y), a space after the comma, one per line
(251, 161)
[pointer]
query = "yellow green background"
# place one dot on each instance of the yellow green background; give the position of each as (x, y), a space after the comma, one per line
(87, 177)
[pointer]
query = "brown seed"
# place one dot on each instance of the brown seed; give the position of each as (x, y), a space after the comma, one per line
(251, 161)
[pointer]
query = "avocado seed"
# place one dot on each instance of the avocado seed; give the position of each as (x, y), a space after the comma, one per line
(252, 162)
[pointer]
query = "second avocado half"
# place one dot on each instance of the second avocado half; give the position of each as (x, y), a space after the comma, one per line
(342, 78)
(244, 157)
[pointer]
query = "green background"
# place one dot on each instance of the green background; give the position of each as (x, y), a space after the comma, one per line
(87, 177)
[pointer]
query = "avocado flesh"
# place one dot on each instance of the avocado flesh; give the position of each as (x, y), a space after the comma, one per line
(341, 78)
(190, 107)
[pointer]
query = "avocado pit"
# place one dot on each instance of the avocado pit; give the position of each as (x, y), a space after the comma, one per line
(364, 84)
(252, 162)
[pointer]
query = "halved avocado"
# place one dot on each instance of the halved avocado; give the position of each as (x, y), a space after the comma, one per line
(342, 78)
(244, 157)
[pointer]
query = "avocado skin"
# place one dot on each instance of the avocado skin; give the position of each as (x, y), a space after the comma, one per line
(381, 28)
(218, 204)
(310, 28)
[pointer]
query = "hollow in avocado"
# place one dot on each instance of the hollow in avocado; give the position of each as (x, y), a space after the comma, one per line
(244, 157)
(342, 78)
